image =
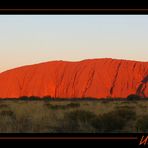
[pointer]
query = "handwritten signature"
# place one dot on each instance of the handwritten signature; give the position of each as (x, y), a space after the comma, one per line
(144, 140)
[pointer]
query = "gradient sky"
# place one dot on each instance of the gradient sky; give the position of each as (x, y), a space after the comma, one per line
(29, 39)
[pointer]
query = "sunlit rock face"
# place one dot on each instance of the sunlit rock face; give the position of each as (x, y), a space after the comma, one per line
(95, 78)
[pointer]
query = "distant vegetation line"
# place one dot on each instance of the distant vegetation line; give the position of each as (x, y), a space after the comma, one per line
(35, 98)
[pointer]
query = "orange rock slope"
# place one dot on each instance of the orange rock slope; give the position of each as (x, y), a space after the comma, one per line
(96, 78)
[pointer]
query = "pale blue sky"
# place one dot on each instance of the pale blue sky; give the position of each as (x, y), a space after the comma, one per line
(29, 39)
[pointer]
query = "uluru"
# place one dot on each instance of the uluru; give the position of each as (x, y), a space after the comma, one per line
(94, 78)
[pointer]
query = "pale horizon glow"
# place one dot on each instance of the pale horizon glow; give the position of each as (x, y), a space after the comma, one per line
(32, 39)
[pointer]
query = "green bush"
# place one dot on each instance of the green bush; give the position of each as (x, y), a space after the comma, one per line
(114, 120)
(76, 121)
(80, 115)
(73, 105)
(126, 113)
(67, 106)
(142, 124)
(81, 120)
(4, 106)
(108, 123)
(47, 98)
(133, 97)
(31, 98)
(6, 113)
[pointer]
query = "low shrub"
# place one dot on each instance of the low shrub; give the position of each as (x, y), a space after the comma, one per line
(73, 105)
(108, 123)
(6, 113)
(4, 106)
(76, 121)
(133, 97)
(31, 98)
(67, 106)
(81, 120)
(142, 124)
(114, 120)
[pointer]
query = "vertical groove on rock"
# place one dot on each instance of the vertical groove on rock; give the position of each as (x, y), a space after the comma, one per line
(60, 82)
(89, 82)
(28, 76)
(19, 85)
(73, 85)
(115, 79)
(22, 86)
(134, 66)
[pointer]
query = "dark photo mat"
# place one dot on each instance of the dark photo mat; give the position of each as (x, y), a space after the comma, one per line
(106, 139)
